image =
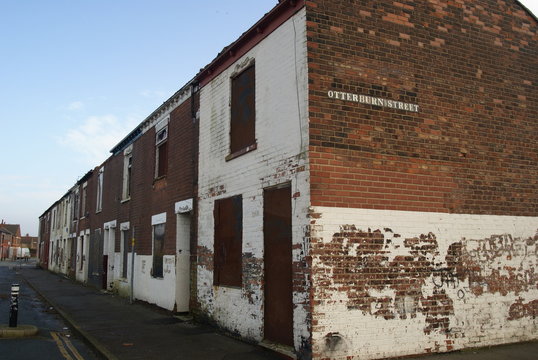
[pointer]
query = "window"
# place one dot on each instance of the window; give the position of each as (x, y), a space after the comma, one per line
(84, 199)
(161, 152)
(124, 248)
(158, 246)
(243, 113)
(81, 253)
(99, 205)
(228, 218)
(158, 224)
(65, 210)
(76, 203)
(127, 172)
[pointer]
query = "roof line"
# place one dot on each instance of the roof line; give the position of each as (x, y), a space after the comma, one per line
(528, 10)
(255, 34)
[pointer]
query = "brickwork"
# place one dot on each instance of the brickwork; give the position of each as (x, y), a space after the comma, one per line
(279, 158)
(395, 283)
(148, 197)
(469, 66)
(407, 131)
(419, 109)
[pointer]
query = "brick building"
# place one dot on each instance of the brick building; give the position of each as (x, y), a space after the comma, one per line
(143, 191)
(10, 240)
(346, 180)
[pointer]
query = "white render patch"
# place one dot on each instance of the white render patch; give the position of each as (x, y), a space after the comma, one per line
(158, 291)
(472, 285)
(182, 207)
(158, 219)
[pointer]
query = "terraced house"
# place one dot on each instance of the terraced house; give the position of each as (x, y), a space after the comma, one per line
(348, 179)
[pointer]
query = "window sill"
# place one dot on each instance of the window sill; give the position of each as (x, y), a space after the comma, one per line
(159, 183)
(242, 152)
(125, 200)
(228, 286)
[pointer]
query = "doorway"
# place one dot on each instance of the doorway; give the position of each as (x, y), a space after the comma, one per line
(278, 288)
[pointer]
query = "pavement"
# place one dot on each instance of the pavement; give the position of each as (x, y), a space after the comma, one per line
(120, 330)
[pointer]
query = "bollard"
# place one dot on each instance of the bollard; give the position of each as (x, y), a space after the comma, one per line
(14, 310)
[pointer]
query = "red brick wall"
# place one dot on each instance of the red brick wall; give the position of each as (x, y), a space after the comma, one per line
(471, 68)
(149, 196)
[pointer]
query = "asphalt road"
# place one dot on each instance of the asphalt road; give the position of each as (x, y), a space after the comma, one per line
(54, 340)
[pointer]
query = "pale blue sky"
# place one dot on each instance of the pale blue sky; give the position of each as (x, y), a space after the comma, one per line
(76, 76)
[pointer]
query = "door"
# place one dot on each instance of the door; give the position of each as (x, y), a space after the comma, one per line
(105, 272)
(278, 309)
(183, 239)
(73, 257)
(95, 266)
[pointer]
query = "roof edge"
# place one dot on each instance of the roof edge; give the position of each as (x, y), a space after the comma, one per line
(527, 10)
(283, 11)
(137, 131)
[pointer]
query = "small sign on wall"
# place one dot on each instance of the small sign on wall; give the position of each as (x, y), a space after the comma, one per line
(371, 100)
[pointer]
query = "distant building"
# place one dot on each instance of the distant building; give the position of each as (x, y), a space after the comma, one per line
(5, 242)
(346, 180)
(12, 239)
(30, 242)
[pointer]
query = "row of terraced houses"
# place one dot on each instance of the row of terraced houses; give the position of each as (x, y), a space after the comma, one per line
(348, 179)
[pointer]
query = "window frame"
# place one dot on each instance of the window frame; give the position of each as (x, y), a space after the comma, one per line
(127, 174)
(100, 182)
(157, 257)
(242, 134)
(125, 246)
(161, 149)
(84, 200)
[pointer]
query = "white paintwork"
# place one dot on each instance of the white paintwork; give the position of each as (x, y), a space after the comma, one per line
(108, 249)
(183, 255)
(184, 206)
(158, 219)
(473, 323)
(282, 141)
(158, 291)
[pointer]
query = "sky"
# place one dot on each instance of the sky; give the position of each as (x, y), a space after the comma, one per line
(77, 76)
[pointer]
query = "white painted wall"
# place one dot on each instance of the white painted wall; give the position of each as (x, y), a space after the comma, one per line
(183, 256)
(158, 291)
(476, 320)
(282, 139)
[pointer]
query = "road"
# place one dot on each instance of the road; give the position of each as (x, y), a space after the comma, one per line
(54, 341)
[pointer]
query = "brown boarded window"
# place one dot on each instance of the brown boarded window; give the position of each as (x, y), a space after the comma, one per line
(228, 216)
(243, 112)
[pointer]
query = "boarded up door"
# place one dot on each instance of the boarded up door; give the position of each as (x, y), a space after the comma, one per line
(278, 323)
(95, 266)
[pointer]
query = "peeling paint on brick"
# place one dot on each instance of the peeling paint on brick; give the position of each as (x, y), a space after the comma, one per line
(436, 287)
(519, 309)
(205, 258)
(252, 277)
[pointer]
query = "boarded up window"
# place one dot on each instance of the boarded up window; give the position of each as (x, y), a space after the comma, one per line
(158, 250)
(228, 216)
(243, 113)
